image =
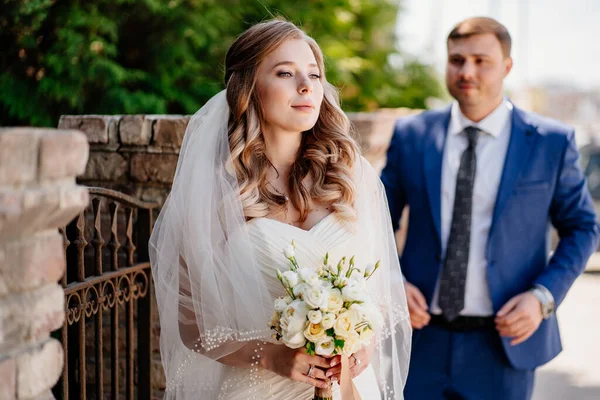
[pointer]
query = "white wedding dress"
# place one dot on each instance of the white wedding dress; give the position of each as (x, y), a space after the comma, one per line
(270, 237)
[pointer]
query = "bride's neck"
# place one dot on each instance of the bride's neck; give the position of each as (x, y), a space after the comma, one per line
(282, 150)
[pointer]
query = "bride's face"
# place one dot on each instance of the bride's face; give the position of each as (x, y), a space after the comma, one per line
(289, 88)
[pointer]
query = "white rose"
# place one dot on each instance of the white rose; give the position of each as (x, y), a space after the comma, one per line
(325, 346)
(290, 278)
(332, 269)
(280, 304)
(354, 292)
(328, 321)
(315, 316)
(361, 311)
(345, 324)
(309, 276)
(289, 251)
(293, 317)
(316, 297)
(335, 301)
(314, 332)
(294, 341)
(374, 316)
(299, 289)
(352, 344)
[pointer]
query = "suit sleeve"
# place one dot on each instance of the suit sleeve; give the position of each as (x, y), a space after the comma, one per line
(572, 214)
(392, 179)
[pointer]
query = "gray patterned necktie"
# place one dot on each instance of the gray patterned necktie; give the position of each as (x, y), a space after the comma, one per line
(454, 273)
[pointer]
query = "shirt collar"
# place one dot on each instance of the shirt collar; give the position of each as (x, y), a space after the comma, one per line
(493, 124)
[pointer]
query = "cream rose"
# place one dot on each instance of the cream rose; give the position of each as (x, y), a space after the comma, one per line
(352, 344)
(345, 324)
(328, 321)
(314, 332)
(335, 301)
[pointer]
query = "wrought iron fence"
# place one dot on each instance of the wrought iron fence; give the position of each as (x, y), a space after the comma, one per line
(96, 328)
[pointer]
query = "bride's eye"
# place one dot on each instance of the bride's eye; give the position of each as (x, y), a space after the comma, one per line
(284, 74)
(315, 76)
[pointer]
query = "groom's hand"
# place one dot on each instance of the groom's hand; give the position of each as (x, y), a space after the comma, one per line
(417, 306)
(519, 318)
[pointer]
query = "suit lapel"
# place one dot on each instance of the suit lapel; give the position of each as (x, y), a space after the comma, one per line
(433, 153)
(521, 143)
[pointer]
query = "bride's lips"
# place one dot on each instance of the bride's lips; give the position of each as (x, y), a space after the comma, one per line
(304, 107)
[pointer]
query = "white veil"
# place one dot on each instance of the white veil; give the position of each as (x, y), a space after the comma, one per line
(211, 295)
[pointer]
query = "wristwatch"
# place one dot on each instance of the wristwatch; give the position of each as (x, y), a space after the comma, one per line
(546, 300)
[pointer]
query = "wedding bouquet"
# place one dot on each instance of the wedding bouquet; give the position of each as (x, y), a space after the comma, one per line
(327, 308)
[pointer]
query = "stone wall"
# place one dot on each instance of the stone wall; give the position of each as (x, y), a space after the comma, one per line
(38, 194)
(134, 154)
(137, 154)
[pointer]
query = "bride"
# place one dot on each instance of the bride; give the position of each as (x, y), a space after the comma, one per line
(267, 161)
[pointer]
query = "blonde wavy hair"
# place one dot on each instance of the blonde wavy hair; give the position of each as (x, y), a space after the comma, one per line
(328, 150)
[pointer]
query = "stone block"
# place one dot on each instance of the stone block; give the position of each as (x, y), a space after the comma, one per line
(18, 156)
(95, 127)
(158, 168)
(133, 130)
(28, 211)
(31, 262)
(62, 154)
(152, 194)
(8, 378)
(106, 166)
(30, 316)
(38, 369)
(169, 130)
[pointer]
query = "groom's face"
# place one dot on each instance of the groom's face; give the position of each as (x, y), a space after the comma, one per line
(476, 70)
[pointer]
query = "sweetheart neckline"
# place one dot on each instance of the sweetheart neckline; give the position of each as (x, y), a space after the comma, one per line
(312, 228)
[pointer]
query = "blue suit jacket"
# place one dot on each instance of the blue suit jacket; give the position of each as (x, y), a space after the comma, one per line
(541, 183)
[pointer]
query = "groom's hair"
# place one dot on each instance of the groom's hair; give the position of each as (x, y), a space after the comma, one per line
(481, 25)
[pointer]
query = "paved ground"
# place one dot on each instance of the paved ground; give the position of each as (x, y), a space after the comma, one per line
(575, 373)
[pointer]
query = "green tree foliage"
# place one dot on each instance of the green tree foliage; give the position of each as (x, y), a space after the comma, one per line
(166, 56)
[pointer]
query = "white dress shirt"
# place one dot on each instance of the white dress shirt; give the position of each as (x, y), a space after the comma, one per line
(491, 153)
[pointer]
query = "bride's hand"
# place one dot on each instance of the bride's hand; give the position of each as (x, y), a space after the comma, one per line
(295, 364)
(358, 362)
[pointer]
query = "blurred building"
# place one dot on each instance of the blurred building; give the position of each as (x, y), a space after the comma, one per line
(567, 103)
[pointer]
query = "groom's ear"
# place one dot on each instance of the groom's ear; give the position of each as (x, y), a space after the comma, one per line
(508, 63)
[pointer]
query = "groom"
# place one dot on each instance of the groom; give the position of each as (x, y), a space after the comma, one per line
(483, 180)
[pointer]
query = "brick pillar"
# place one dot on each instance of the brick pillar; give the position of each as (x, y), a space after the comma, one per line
(38, 194)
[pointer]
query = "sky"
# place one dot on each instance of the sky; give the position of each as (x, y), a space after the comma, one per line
(554, 41)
